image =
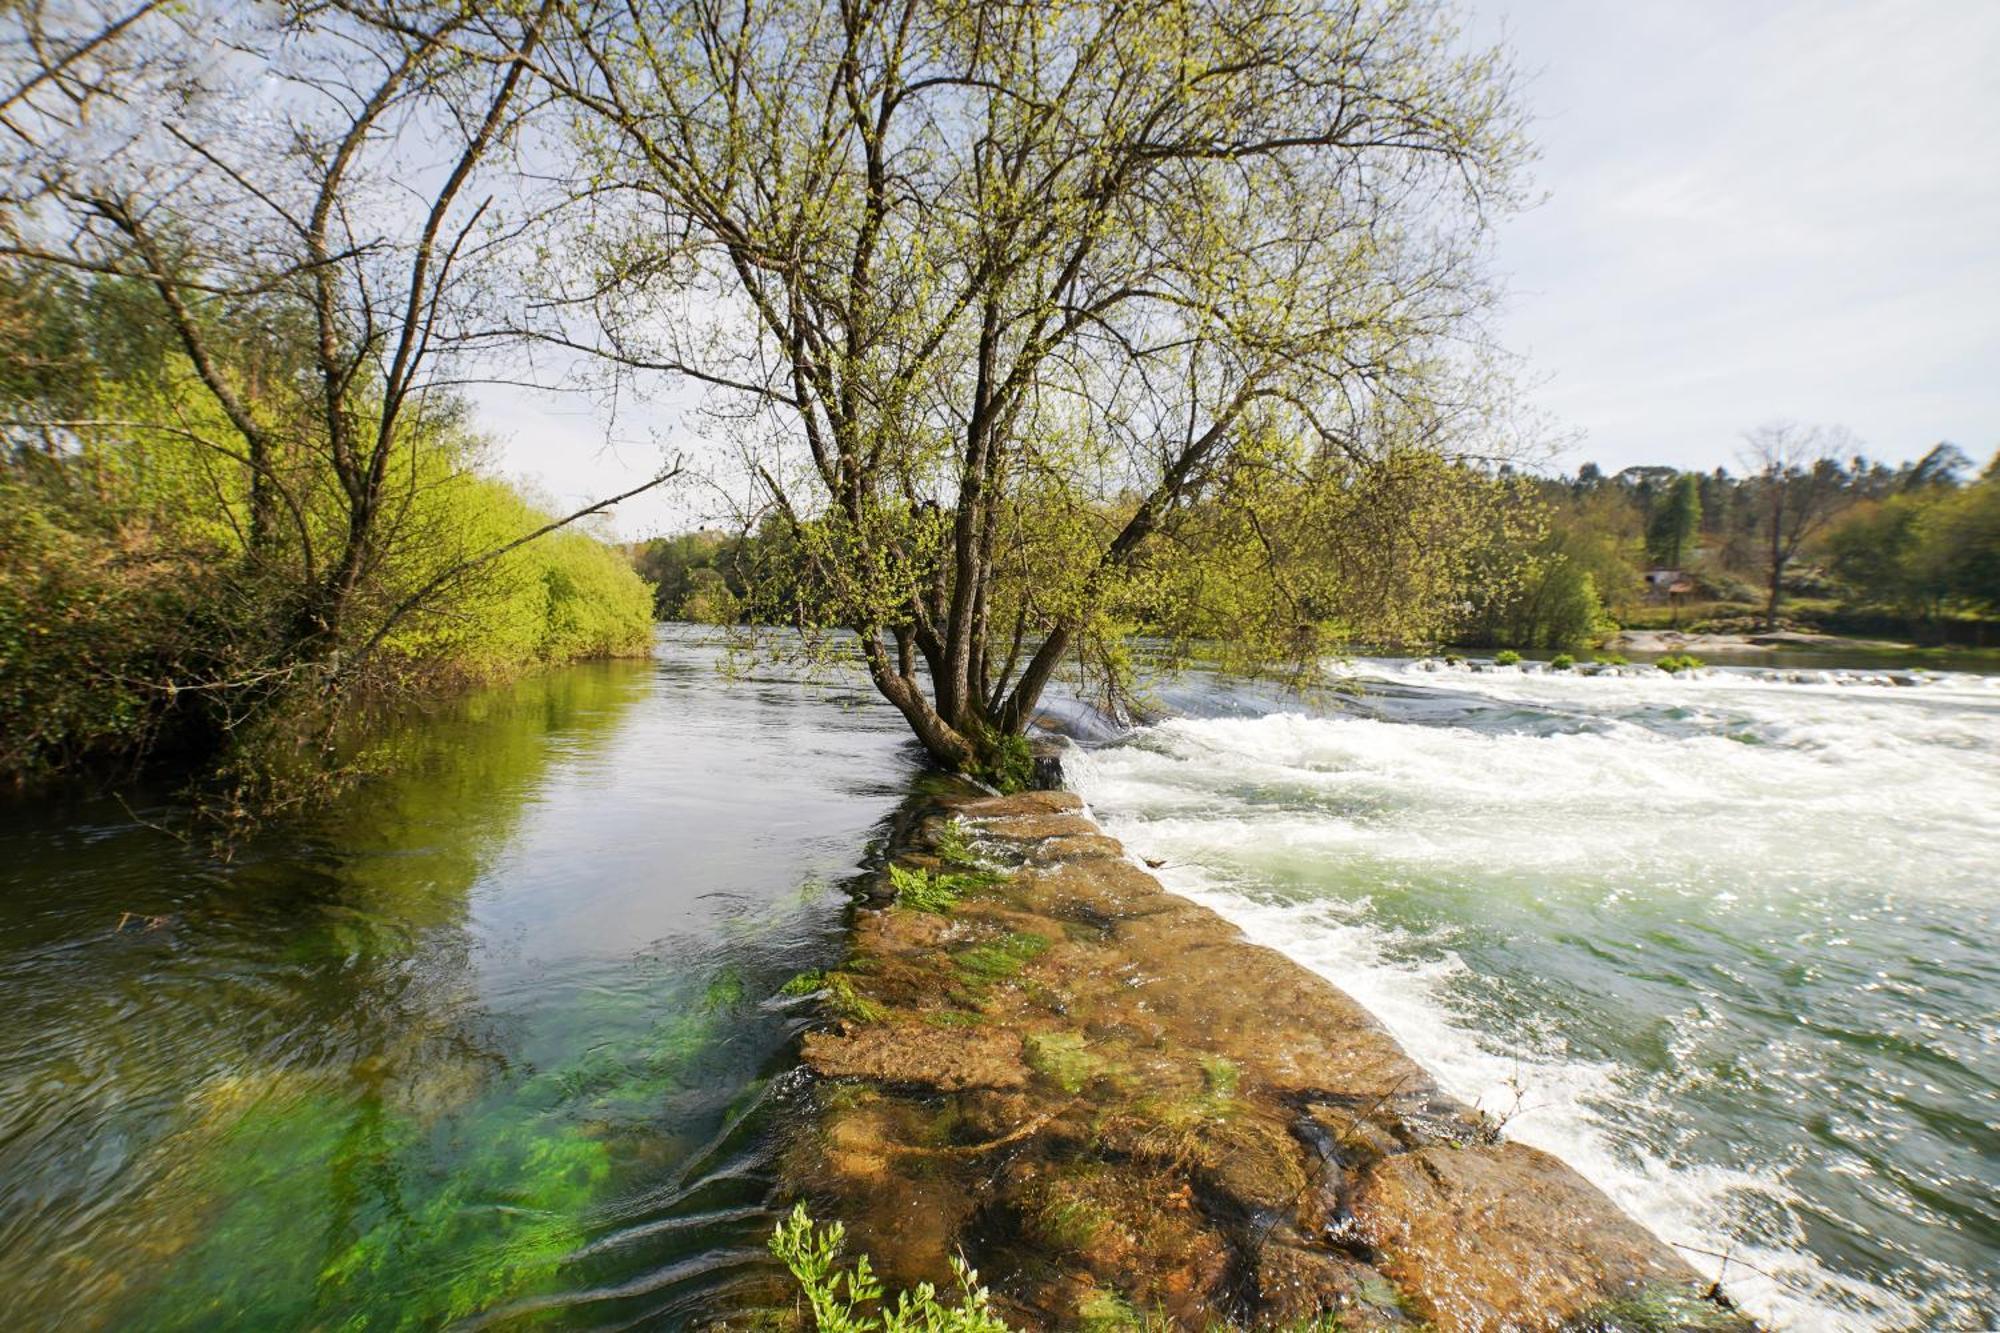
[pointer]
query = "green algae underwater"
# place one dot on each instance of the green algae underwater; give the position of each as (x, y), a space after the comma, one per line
(492, 1042)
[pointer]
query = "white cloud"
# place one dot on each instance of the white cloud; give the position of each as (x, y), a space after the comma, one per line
(1759, 210)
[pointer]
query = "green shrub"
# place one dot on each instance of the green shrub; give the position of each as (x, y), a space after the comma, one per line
(840, 1299)
(1506, 657)
(160, 607)
(952, 846)
(929, 891)
(1006, 763)
(1610, 659)
(1675, 663)
(1561, 662)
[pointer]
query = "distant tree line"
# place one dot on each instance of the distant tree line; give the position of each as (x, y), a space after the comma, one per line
(1537, 562)
(1809, 521)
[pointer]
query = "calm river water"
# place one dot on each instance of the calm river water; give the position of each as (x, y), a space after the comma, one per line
(494, 1037)
(497, 1037)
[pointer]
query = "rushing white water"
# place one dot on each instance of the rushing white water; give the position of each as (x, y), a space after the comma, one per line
(1722, 941)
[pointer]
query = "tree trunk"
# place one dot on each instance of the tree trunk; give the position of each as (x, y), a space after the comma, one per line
(1777, 561)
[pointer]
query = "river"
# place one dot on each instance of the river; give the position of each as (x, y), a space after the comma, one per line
(1724, 942)
(499, 1035)
(494, 1036)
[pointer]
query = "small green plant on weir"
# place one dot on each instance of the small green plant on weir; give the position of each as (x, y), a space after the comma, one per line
(952, 846)
(1002, 957)
(837, 991)
(844, 1000)
(805, 983)
(1561, 662)
(1071, 1224)
(922, 891)
(839, 1299)
(1675, 663)
(929, 891)
(1611, 659)
(1222, 1076)
(1002, 761)
(1506, 657)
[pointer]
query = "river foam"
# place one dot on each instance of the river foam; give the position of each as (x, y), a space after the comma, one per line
(1719, 942)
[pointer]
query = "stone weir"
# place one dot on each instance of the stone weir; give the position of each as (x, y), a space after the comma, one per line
(1126, 1115)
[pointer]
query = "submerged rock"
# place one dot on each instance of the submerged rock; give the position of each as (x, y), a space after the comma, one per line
(1123, 1113)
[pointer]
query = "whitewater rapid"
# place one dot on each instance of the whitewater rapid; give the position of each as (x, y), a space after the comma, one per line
(1722, 941)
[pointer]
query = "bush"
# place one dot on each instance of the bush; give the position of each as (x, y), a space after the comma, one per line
(1506, 657)
(135, 630)
(1006, 763)
(92, 623)
(838, 1298)
(1675, 663)
(1561, 662)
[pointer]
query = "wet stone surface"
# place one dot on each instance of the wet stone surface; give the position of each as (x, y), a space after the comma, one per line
(1126, 1115)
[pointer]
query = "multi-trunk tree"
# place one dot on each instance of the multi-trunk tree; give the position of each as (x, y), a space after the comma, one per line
(303, 209)
(1003, 300)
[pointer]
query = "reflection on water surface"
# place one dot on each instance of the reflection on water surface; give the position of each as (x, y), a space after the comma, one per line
(492, 1036)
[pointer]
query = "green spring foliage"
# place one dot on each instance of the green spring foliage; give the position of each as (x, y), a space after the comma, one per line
(931, 891)
(1561, 662)
(1506, 657)
(1675, 663)
(146, 617)
(850, 1299)
(1006, 763)
(953, 846)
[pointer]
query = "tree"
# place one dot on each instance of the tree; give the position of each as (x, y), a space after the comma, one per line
(1961, 539)
(999, 297)
(1676, 525)
(297, 203)
(1800, 483)
(1879, 552)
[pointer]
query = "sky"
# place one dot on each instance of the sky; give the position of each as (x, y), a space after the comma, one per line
(1748, 211)
(1757, 211)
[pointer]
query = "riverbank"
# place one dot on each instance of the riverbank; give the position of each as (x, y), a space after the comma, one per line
(1117, 1108)
(1682, 641)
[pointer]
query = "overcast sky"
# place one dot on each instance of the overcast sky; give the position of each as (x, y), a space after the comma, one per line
(1758, 210)
(1754, 210)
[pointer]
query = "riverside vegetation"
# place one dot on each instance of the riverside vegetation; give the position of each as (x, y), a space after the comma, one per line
(1018, 329)
(1036, 332)
(239, 494)
(145, 621)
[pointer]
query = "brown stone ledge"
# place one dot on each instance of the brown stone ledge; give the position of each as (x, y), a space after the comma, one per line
(1125, 1114)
